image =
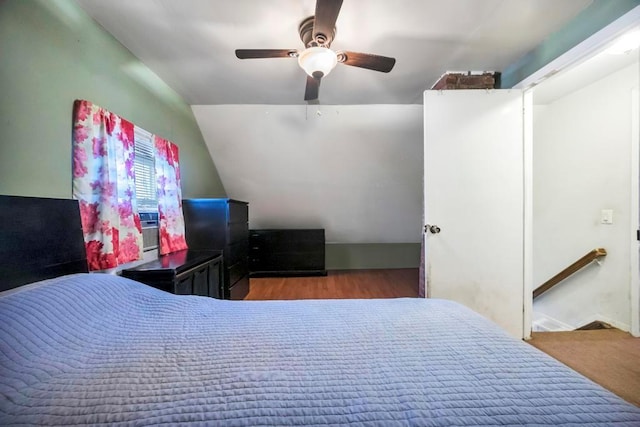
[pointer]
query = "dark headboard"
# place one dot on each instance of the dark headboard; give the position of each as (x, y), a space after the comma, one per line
(40, 238)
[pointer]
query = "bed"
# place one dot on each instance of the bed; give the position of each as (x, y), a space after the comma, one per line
(96, 349)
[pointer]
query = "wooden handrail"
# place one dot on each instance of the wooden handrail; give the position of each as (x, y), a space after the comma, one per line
(582, 262)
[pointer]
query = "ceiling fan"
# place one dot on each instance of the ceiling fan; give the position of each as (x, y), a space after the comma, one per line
(317, 59)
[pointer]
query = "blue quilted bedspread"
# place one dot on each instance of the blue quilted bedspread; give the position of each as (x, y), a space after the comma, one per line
(100, 349)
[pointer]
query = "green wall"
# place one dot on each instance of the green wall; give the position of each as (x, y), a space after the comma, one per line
(344, 256)
(52, 52)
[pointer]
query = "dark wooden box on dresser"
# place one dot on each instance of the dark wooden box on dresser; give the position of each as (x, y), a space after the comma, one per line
(186, 272)
(222, 224)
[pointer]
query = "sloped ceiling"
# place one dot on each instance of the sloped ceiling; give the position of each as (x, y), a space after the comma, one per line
(190, 43)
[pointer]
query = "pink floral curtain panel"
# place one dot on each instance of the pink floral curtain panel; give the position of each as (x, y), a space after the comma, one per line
(104, 184)
(169, 196)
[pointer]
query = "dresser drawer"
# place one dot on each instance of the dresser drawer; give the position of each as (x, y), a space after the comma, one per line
(238, 232)
(288, 261)
(237, 252)
(184, 286)
(238, 212)
(286, 240)
(259, 245)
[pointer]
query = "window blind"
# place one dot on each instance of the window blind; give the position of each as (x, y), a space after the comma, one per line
(145, 168)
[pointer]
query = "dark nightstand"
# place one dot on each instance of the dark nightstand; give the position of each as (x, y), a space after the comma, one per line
(185, 272)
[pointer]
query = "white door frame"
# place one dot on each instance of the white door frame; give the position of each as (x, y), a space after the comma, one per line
(527, 170)
(577, 54)
(634, 272)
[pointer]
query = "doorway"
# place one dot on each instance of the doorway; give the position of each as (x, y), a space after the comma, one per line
(585, 190)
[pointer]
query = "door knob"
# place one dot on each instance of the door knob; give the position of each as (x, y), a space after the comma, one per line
(433, 229)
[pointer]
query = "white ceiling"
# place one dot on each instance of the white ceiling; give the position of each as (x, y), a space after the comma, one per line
(190, 44)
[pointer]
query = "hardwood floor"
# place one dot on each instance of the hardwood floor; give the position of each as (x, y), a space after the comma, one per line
(346, 284)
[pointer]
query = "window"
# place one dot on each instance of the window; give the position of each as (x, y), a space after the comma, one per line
(146, 189)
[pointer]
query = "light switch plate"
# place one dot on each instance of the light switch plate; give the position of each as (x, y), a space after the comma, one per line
(606, 216)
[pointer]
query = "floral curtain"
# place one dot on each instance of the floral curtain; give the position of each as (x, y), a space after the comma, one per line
(169, 197)
(104, 184)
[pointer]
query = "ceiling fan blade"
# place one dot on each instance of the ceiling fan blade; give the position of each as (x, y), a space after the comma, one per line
(367, 60)
(313, 88)
(265, 53)
(325, 18)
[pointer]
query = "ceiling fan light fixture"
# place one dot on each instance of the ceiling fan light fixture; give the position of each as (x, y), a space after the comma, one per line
(317, 59)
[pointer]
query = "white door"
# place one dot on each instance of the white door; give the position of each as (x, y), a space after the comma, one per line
(474, 181)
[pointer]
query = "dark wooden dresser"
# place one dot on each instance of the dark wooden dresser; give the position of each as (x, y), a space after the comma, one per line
(185, 272)
(286, 252)
(222, 224)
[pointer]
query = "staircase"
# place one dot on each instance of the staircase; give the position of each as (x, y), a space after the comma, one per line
(542, 323)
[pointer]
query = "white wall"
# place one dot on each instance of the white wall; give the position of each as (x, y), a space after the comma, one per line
(581, 165)
(354, 170)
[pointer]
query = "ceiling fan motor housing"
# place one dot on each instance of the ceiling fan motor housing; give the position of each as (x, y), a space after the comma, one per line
(306, 34)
